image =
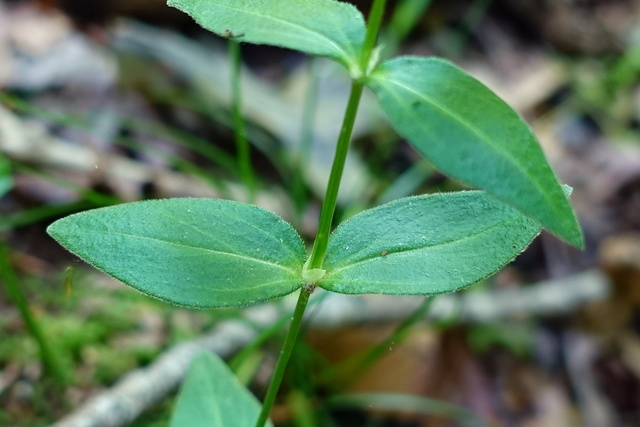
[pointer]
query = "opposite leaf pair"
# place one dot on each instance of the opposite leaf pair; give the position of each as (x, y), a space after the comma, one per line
(216, 253)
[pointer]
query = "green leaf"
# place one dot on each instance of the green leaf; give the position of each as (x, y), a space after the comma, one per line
(473, 136)
(212, 396)
(318, 27)
(192, 252)
(425, 245)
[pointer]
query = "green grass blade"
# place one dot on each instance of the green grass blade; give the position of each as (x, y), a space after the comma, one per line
(49, 354)
(243, 149)
(406, 16)
(360, 363)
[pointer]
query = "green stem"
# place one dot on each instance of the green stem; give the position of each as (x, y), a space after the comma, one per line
(328, 211)
(331, 198)
(50, 357)
(373, 28)
(329, 205)
(285, 354)
(239, 128)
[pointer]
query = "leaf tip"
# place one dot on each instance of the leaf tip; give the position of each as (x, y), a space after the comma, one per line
(574, 236)
(572, 233)
(53, 229)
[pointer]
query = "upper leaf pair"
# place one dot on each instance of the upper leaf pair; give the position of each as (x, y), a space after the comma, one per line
(452, 119)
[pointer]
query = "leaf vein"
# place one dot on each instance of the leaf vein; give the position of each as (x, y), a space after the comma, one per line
(390, 253)
(168, 242)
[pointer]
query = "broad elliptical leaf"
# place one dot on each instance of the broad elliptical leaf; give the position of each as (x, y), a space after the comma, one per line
(425, 245)
(191, 252)
(472, 135)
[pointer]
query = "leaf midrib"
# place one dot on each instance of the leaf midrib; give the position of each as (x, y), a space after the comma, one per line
(444, 243)
(179, 244)
(238, 218)
(257, 286)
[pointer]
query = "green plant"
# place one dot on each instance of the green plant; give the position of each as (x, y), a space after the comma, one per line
(217, 253)
(49, 354)
(13, 290)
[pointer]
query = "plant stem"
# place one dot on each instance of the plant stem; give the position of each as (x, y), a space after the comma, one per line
(239, 128)
(328, 211)
(329, 205)
(373, 28)
(330, 200)
(285, 354)
(50, 358)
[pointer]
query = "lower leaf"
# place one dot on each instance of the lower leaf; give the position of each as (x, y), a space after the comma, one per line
(211, 395)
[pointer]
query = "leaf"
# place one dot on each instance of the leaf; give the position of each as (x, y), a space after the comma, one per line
(473, 136)
(318, 27)
(425, 245)
(192, 252)
(212, 396)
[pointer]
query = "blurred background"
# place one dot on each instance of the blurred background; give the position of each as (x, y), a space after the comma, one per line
(116, 101)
